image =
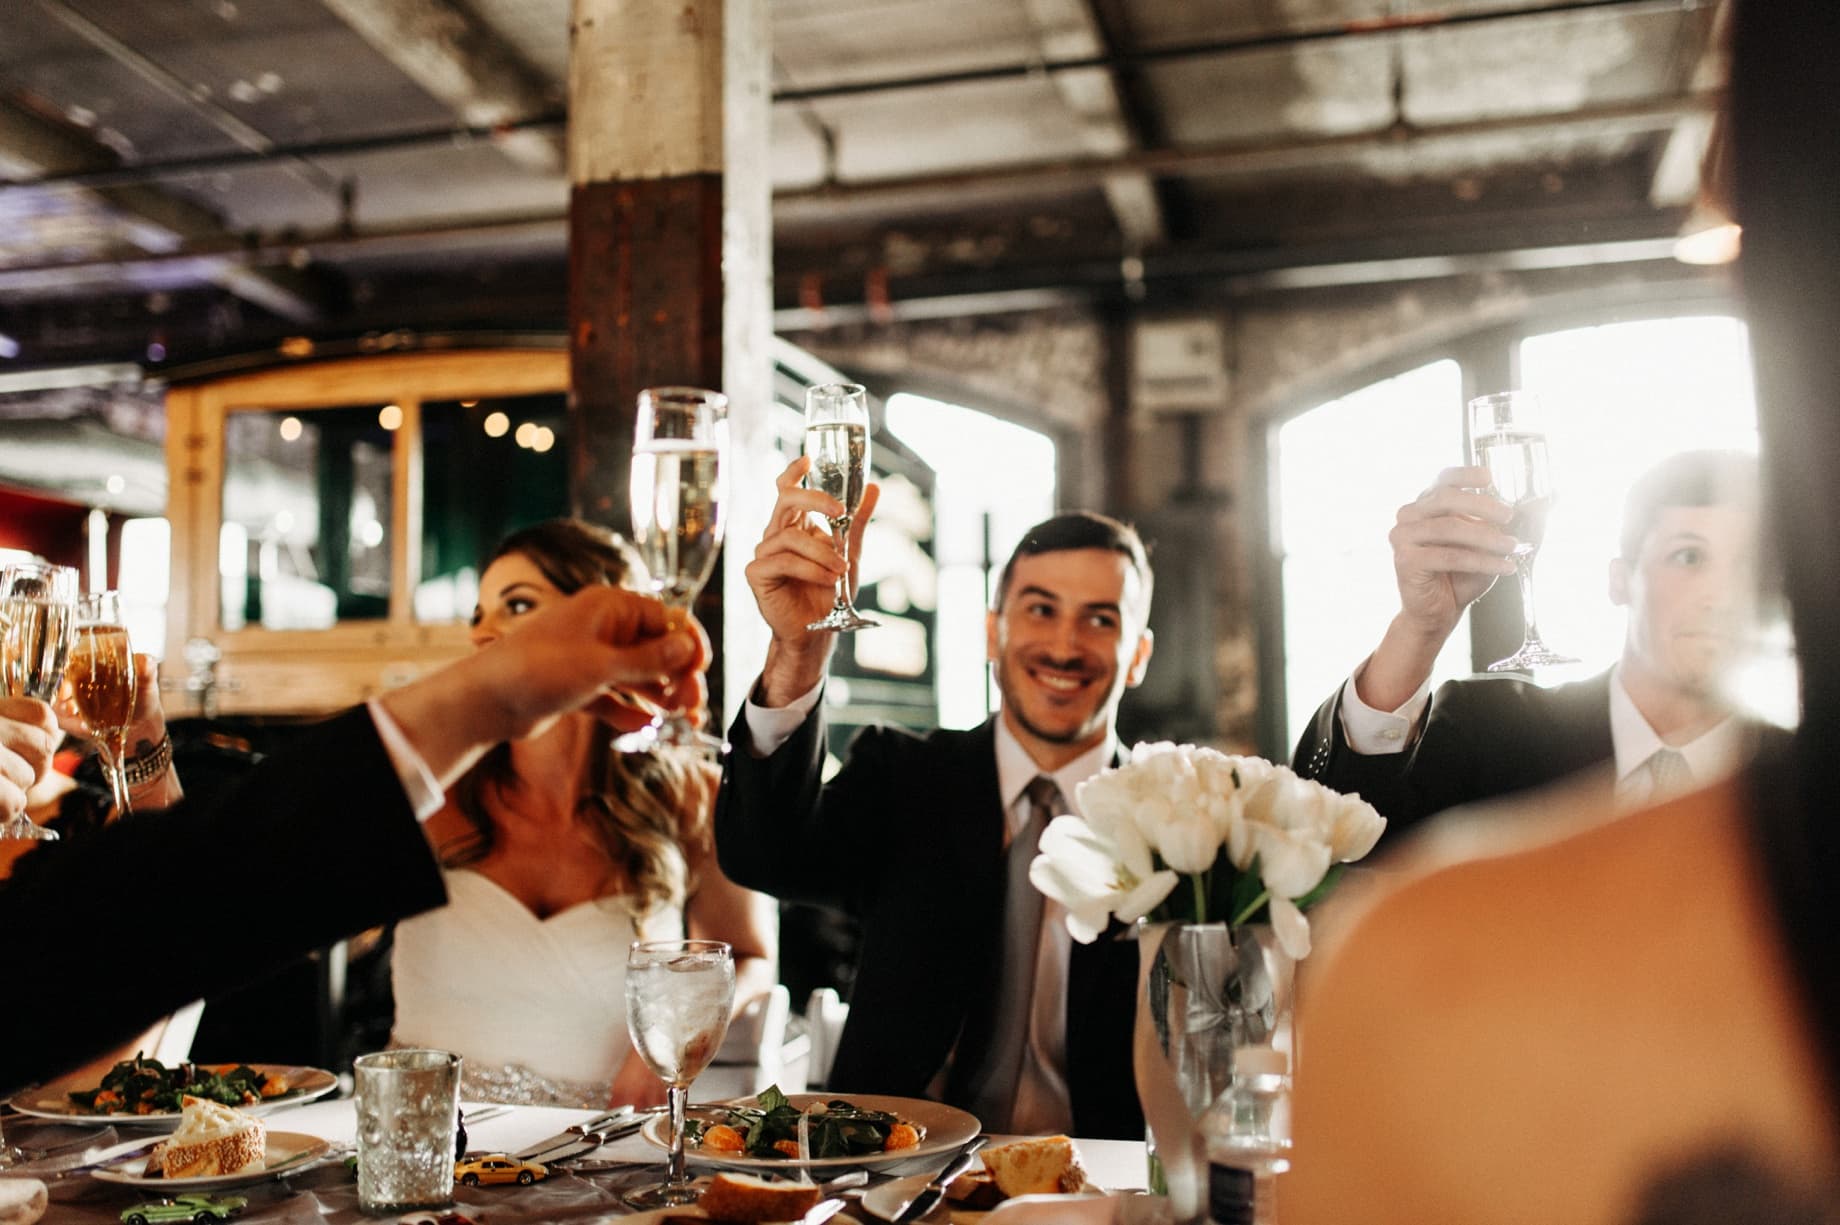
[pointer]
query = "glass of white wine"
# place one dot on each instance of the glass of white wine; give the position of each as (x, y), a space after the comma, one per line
(102, 680)
(679, 994)
(679, 442)
(837, 442)
(1508, 437)
(38, 609)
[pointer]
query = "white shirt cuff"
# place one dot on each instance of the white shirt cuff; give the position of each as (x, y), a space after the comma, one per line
(771, 726)
(418, 781)
(1374, 733)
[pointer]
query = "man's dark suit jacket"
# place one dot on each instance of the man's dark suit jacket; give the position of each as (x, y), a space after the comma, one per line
(106, 934)
(1483, 737)
(909, 837)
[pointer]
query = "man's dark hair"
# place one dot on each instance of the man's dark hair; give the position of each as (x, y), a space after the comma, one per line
(1079, 529)
(1691, 478)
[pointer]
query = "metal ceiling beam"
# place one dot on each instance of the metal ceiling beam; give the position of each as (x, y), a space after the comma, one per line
(1286, 154)
(464, 65)
(1390, 27)
(1071, 27)
(1260, 156)
(180, 92)
(155, 221)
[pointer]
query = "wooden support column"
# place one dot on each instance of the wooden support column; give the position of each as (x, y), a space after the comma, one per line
(670, 264)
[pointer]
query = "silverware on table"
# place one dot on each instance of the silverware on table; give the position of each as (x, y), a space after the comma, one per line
(934, 1191)
(584, 1137)
(822, 1211)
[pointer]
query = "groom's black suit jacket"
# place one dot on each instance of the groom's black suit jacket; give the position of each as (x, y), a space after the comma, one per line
(909, 838)
(1483, 737)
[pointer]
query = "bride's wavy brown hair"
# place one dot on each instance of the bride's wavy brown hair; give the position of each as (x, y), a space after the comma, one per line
(645, 807)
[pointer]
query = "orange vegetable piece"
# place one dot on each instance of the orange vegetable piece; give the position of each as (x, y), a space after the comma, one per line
(722, 1138)
(788, 1147)
(901, 1135)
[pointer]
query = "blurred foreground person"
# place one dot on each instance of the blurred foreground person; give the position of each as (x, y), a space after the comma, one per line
(1594, 1030)
(558, 852)
(1662, 716)
(340, 807)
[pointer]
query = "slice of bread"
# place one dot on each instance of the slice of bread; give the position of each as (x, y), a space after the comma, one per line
(748, 1200)
(212, 1139)
(1048, 1166)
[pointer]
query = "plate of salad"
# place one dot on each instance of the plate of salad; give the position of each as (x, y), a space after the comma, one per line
(842, 1131)
(146, 1093)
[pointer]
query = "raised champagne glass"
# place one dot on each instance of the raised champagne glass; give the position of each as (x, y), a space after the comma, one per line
(837, 442)
(679, 441)
(1508, 437)
(38, 610)
(679, 994)
(102, 680)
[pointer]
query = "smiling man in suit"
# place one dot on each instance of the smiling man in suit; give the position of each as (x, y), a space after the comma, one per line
(969, 986)
(1662, 715)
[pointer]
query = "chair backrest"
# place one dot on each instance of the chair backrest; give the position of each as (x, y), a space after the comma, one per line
(752, 1055)
(175, 1044)
(825, 1013)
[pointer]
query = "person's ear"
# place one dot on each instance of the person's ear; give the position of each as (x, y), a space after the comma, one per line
(1140, 660)
(1619, 582)
(990, 635)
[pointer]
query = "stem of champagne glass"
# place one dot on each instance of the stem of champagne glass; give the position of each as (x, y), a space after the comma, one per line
(840, 531)
(1530, 625)
(679, 1097)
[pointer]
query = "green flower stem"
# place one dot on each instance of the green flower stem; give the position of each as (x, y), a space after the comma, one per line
(1251, 910)
(1200, 896)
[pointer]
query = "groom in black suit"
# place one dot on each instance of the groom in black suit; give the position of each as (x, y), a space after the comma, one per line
(1661, 716)
(969, 987)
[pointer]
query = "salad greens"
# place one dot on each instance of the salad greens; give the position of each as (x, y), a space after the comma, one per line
(147, 1086)
(836, 1128)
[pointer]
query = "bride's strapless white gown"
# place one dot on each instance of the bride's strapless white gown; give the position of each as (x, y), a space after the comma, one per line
(536, 1007)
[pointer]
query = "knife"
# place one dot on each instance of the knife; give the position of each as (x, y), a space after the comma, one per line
(925, 1202)
(575, 1132)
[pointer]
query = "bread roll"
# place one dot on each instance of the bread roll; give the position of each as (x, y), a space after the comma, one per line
(748, 1200)
(22, 1200)
(212, 1139)
(1048, 1166)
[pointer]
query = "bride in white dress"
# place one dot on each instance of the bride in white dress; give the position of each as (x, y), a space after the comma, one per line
(558, 852)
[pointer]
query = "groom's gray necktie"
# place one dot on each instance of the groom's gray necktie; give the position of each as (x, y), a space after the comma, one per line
(993, 1084)
(1670, 774)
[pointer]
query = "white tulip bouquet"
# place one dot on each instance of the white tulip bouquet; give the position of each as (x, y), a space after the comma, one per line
(1194, 835)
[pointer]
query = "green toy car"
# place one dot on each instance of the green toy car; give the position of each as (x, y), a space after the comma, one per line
(192, 1207)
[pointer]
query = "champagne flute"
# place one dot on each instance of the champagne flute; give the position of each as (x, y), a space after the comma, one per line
(38, 608)
(679, 439)
(102, 678)
(1507, 436)
(837, 441)
(679, 994)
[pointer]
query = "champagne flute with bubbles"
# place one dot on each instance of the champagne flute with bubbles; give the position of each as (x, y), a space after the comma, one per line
(678, 997)
(38, 609)
(679, 441)
(102, 680)
(837, 442)
(1508, 437)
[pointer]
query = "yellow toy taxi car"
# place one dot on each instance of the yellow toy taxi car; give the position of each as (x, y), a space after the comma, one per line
(489, 1168)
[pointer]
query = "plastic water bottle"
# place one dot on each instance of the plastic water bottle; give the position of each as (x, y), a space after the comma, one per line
(1248, 1136)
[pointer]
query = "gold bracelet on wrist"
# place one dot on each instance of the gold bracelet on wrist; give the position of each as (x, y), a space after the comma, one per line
(138, 771)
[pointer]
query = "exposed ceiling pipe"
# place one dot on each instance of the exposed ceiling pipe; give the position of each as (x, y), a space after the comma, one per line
(1331, 32)
(1112, 59)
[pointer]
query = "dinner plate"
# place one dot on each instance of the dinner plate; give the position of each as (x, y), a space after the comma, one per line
(658, 1216)
(52, 1100)
(885, 1201)
(287, 1152)
(944, 1129)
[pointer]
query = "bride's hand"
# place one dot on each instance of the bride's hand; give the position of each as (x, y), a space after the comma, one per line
(637, 1085)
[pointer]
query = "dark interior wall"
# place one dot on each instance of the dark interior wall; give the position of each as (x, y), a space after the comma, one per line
(46, 526)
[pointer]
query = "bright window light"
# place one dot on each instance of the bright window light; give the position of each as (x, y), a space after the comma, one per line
(1619, 399)
(995, 480)
(1344, 469)
(145, 576)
